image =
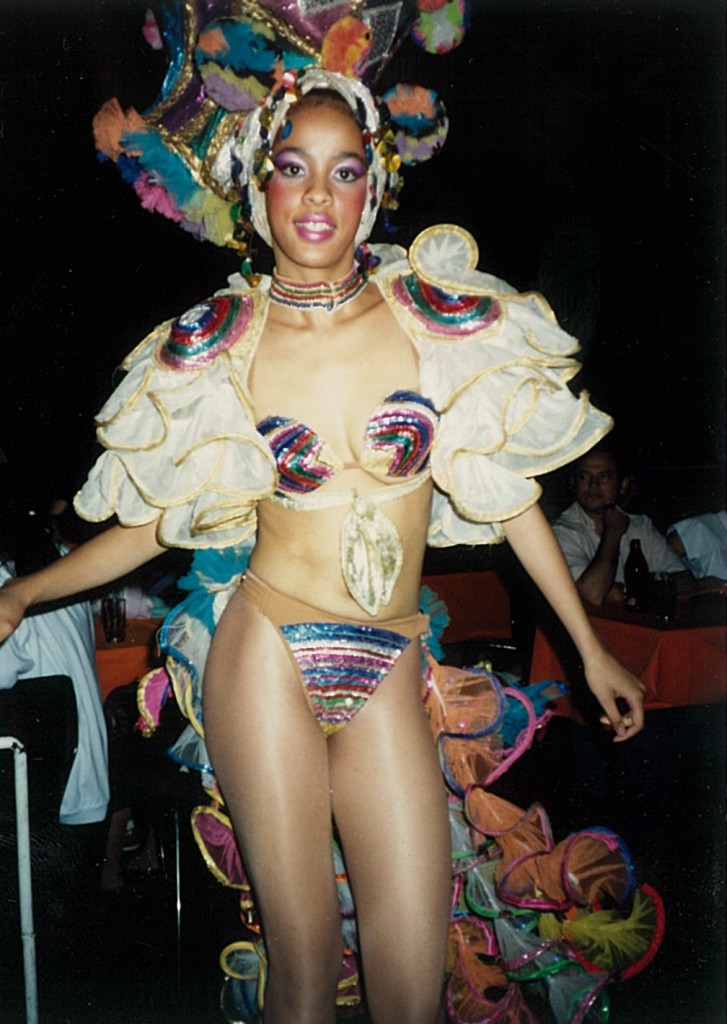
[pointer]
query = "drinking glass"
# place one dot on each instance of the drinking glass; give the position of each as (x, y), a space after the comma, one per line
(113, 614)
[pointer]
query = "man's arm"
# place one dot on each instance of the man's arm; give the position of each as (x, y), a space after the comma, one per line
(662, 556)
(103, 559)
(597, 583)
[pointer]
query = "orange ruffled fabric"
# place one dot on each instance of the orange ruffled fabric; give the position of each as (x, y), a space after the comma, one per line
(110, 123)
(536, 872)
(479, 990)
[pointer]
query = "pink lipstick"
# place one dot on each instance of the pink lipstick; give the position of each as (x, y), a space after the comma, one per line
(315, 228)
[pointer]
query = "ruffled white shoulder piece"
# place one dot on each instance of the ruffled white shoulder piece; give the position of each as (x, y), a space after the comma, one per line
(496, 365)
(179, 431)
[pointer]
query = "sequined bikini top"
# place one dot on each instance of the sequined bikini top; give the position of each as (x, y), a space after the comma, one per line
(396, 446)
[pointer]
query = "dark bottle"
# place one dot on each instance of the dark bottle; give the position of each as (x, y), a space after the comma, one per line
(636, 577)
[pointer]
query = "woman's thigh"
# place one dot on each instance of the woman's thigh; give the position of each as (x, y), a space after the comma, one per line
(271, 760)
(390, 807)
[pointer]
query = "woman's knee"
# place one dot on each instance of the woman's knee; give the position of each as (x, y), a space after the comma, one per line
(303, 976)
(397, 1001)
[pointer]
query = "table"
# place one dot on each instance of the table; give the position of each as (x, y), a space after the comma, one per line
(680, 662)
(120, 663)
(477, 602)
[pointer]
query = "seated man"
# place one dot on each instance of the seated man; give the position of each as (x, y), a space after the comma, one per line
(701, 542)
(595, 534)
(56, 641)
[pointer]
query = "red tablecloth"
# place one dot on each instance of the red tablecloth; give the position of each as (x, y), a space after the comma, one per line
(678, 666)
(478, 605)
(120, 663)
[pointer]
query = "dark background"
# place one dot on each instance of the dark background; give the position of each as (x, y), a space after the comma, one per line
(585, 154)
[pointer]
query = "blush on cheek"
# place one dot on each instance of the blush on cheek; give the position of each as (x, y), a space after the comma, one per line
(277, 197)
(353, 199)
(274, 186)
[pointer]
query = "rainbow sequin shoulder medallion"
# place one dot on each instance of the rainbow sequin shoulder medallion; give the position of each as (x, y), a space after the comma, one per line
(198, 336)
(445, 314)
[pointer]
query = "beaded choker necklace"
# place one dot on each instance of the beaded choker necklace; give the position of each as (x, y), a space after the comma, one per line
(325, 295)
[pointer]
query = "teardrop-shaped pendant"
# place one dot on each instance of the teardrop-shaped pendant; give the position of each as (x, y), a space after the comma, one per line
(371, 555)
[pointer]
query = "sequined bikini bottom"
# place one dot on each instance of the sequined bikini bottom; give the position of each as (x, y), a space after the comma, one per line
(340, 662)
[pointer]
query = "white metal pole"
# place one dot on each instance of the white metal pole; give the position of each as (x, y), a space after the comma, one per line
(25, 885)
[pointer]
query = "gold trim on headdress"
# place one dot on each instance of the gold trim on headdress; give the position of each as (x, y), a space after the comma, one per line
(256, 9)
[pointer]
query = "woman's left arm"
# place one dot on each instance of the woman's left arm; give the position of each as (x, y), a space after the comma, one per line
(536, 547)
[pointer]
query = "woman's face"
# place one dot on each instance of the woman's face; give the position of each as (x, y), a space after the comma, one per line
(317, 193)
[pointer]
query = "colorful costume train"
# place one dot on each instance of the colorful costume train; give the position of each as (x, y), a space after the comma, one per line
(182, 445)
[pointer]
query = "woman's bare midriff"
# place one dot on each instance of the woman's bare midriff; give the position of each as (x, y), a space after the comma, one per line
(298, 552)
(331, 373)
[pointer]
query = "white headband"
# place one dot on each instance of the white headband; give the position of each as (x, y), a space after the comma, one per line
(243, 160)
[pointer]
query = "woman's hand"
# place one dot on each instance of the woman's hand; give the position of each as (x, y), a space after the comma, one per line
(612, 685)
(620, 694)
(12, 607)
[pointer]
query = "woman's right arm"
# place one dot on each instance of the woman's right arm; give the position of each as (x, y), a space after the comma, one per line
(105, 558)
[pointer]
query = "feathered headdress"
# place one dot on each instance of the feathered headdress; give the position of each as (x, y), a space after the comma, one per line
(200, 154)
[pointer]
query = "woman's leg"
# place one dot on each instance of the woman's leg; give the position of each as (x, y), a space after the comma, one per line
(271, 760)
(390, 808)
